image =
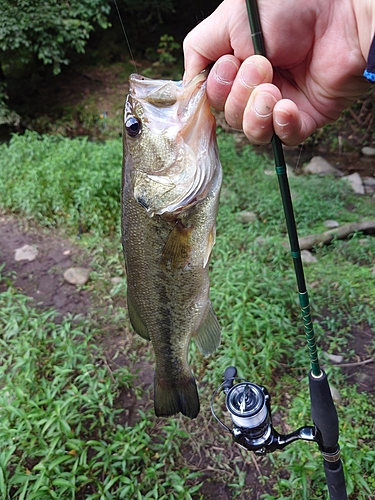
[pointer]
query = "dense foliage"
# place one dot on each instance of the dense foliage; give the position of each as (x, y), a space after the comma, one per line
(62, 181)
(48, 29)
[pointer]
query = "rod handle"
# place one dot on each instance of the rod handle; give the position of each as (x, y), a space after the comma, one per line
(335, 480)
(323, 410)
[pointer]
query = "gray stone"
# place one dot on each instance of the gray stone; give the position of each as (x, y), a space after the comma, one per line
(116, 279)
(335, 358)
(356, 183)
(320, 166)
(246, 216)
(370, 190)
(331, 224)
(261, 240)
(226, 195)
(77, 275)
(27, 252)
(367, 151)
(308, 258)
(290, 171)
(362, 378)
(364, 242)
(335, 394)
(368, 181)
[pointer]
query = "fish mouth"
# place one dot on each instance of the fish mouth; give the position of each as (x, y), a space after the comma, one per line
(161, 93)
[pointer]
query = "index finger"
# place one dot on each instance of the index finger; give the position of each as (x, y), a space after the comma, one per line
(206, 43)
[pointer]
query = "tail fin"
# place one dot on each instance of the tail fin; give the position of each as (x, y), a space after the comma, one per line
(181, 396)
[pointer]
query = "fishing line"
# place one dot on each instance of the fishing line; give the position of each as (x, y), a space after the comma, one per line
(126, 36)
(299, 158)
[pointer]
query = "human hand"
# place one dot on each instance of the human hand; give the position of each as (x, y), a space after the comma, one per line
(313, 72)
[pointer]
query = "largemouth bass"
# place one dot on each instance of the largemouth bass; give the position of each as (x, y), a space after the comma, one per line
(171, 183)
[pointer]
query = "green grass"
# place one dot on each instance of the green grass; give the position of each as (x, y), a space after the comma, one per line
(62, 182)
(60, 428)
(60, 433)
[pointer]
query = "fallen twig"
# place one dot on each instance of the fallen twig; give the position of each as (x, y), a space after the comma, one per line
(340, 233)
(356, 363)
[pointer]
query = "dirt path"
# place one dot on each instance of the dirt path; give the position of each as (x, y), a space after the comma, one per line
(42, 279)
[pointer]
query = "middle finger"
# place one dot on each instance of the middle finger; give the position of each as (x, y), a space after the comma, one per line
(253, 72)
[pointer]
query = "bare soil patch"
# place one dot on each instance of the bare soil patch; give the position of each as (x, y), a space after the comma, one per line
(42, 279)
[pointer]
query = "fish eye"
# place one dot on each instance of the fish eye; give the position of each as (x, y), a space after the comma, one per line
(133, 126)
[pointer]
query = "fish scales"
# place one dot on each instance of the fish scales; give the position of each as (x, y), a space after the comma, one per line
(171, 183)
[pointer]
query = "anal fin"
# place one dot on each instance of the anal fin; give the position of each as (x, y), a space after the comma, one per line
(136, 320)
(208, 335)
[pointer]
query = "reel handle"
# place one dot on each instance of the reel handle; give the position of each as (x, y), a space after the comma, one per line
(229, 375)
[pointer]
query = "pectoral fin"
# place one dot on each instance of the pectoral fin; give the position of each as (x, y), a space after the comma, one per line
(136, 321)
(177, 249)
(208, 335)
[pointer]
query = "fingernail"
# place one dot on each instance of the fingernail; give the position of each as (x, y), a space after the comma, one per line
(226, 71)
(264, 104)
(282, 118)
(252, 74)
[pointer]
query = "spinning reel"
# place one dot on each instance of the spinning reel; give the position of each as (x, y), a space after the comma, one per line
(249, 406)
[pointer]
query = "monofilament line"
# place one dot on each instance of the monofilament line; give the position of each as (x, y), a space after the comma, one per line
(126, 36)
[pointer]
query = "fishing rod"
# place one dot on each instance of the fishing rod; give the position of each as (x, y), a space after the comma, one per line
(249, 404)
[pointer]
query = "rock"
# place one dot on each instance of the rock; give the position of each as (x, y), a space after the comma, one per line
(308, 258)
(320, 166)
(77, 275)
(27, 252)
(335, 394)
(363, 378)
(356, 183)
(331, 224)
(226, 195)
(246, 216)
(368, 181)
(290, 171)
(335, 358)
(116, 279)
(269, 172)
(364, 242)
(261, 240)
(367, 151)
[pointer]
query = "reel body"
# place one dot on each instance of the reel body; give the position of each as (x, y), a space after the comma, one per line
(249, 406)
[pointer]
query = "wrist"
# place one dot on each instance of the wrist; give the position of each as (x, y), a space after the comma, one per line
(364, 12)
